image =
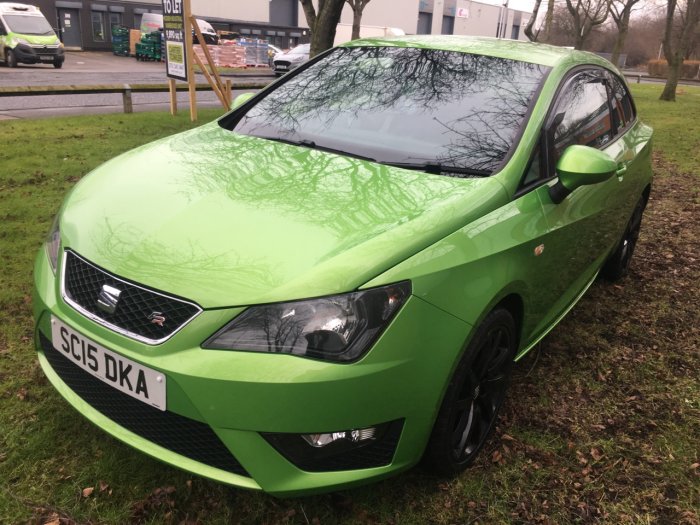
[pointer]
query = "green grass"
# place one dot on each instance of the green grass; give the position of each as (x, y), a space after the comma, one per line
(677, 124)
(602, 423)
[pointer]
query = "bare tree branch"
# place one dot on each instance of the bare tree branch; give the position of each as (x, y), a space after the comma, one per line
(531, 23)
(620, 11)
(586, 14)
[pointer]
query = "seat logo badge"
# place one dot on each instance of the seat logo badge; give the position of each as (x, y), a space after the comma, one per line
(108, 298)
(538, 250)
(157, 318)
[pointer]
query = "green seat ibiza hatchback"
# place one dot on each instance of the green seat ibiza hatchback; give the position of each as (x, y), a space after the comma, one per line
(333, 280)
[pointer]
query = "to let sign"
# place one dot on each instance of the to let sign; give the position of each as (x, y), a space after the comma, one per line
(174, 35)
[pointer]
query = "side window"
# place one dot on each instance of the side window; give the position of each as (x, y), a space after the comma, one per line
(3, 31)
(534, 169)
(582, 114)
(623, 110)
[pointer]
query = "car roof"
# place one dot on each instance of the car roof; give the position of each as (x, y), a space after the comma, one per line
(523, 51)
(8, 8)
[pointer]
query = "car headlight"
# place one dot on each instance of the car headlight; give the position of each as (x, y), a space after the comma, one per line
(53, 243)
(21, 41)
(336, 328)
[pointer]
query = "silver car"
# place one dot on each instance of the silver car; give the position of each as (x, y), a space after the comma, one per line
(291, 59)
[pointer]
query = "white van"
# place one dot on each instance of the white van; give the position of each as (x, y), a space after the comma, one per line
(153, 22)
(27, 37)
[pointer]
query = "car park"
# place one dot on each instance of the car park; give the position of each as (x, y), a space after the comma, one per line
(26, 37)
(289, 60)
(333, 281)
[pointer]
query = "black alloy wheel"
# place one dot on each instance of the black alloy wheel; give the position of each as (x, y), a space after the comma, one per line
(10, 58)
(618, 263)
(474, 396)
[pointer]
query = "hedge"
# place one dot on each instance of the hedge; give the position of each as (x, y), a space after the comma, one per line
(659, 68)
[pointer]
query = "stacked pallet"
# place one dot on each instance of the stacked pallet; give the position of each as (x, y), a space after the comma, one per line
(149, 48)
(120, 40)
(224, 56)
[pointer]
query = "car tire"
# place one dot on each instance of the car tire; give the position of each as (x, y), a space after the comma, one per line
(10, 58)
(58, 64)
(617, 265)
(474, 396)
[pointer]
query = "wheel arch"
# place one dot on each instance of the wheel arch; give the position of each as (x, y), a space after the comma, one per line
(512, 299)
(514, 304)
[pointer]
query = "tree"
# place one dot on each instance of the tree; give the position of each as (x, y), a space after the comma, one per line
(357, 7)
(620, 10)
(585, 15)
(548, 20)
(531, 23)
(322, 23)
(681, 23)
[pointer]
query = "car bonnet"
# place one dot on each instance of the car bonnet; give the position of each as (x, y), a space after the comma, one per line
(227, 220)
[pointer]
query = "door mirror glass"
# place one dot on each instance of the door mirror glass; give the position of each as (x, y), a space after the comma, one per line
(581, 166)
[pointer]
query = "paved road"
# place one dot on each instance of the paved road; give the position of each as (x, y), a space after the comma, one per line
(95, 68)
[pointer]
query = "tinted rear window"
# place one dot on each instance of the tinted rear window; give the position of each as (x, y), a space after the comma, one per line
(403, 105)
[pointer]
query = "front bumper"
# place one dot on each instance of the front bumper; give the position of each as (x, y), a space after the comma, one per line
(34, 54)
(221, 402)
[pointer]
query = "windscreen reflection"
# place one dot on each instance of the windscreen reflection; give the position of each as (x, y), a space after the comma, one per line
(402, 106)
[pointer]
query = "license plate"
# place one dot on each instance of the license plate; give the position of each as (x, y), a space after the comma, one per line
(138, 381)
(282, 67)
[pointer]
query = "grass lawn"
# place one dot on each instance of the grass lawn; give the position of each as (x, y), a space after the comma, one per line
(602, 423)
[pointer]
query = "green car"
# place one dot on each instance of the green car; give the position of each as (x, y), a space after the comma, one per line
(333, 281)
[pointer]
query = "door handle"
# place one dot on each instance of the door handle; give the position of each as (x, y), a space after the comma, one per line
(621, 170)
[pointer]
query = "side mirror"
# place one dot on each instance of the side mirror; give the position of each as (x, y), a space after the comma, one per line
(241, 99)
(581, 166)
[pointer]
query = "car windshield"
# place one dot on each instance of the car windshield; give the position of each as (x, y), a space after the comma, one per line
(28, 25)
(456, 112)
(300, 50)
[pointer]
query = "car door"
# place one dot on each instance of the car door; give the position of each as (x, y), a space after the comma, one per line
(583, 228)
(635, 165)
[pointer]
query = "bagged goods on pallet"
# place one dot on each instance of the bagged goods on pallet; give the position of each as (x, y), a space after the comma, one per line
(224, 56)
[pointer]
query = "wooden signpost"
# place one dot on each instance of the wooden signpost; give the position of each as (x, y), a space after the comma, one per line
(178, 26)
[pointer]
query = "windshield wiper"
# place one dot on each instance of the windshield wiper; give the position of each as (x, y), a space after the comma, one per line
(437, 169)
(305, 143)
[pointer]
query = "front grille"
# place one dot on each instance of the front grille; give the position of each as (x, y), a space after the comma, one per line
(177, 433)
(41, 50)
(137, 307)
